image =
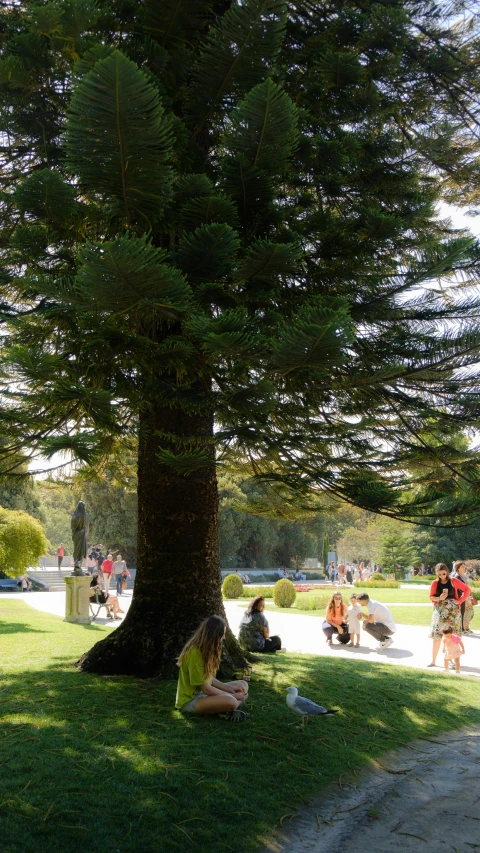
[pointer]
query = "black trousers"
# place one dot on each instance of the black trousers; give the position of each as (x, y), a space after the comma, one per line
(60, 563)
(273, 644)
(378, 630)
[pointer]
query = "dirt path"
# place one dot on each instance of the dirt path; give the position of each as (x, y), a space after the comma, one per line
(425, 798)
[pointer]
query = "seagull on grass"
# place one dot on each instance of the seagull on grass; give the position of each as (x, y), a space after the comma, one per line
(305, 708)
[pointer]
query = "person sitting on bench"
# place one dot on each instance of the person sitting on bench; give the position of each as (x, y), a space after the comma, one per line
(99, 596)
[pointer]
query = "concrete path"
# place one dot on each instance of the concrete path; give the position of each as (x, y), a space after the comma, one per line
(411, 647)
(424, 798)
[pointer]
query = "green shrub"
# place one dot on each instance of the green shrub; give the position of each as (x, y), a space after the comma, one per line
(319, 603)
(284, 593)
(253, 591)
(232, 587)
(426, 579)
(377, 576)
(22, 541)
(378, 584)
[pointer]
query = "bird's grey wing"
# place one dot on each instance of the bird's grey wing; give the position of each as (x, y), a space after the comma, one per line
(306, 706)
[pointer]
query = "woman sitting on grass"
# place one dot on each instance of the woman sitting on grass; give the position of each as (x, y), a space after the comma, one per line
(198, 692)
(254, 634)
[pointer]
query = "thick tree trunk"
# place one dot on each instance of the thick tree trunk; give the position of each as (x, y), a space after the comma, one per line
(178, 581)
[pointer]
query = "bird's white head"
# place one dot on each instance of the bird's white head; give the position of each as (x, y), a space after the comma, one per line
(292, 691)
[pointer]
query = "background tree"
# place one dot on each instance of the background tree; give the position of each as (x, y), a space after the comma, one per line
(225, 213)
(325, 550)
(397, 552)
(22, 541)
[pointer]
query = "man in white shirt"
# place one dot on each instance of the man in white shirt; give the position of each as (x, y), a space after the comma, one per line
(379, 622)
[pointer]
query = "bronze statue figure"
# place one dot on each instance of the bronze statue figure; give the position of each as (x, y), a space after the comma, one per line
(79, 525)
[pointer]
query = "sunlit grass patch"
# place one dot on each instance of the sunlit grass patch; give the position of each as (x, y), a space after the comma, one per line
(92, 763)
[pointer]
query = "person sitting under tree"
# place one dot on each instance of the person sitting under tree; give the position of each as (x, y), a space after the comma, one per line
(198, 691)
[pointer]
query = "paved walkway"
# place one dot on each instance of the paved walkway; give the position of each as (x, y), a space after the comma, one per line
(304, 634)
(411, 647)
(423, 798)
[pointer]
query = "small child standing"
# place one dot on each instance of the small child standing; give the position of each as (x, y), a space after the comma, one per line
(453, 648)
(354, 612)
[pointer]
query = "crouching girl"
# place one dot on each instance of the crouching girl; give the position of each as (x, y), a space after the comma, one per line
(198, 691)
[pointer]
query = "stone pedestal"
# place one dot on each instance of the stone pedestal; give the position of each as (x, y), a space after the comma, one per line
(77, 602)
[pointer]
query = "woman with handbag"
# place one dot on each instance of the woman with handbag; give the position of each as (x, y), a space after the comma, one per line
(335, 622)
(447, 595)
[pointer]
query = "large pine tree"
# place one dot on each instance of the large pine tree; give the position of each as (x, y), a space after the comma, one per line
(220, 234)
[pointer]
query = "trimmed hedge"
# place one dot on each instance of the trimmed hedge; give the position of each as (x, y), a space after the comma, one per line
(253, 591)
(232, 587)
(284, 593)
(377, 576)
(378, 584)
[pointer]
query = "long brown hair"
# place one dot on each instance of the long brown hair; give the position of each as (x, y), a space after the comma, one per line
(331, 603)
(208, 638)
(254, 604)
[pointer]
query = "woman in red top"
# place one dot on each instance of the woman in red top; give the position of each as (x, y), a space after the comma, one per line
(446, 595)
(107, 566)
(336, 620)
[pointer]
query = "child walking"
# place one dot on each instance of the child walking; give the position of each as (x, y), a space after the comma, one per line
(354, 612)
(198, 691)
(452, 647)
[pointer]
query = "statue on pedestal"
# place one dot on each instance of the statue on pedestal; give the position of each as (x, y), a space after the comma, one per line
(79, 525)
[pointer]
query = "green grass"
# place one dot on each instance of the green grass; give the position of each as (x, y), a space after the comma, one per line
(402, 615)
(94, 764)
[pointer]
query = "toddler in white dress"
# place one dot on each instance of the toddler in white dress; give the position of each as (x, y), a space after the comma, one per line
(354, 612)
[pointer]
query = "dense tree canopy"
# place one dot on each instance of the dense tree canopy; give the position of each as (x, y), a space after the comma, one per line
(220, 231)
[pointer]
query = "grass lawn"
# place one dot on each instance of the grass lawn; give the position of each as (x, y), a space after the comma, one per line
(94, 764)
(400, 596)
(402, 615)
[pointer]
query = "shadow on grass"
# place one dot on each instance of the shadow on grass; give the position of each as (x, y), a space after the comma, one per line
(172, 782)
(19, 628)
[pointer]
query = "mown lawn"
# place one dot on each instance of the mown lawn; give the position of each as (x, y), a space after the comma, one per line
(397, 596)
(94, 764)
(402, 615)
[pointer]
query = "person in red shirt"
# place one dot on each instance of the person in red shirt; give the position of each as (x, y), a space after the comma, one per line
(107, 567)
(60, 555)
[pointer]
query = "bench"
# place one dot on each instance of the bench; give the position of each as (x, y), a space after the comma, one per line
(96, 605)
(9, 583)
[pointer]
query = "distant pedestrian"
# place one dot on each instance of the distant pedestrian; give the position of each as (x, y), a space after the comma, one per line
(25, 583)
(91, 562)
(43, 563)
(119, 568)
(60, 555)
(342, 574)
(107, 569)
(470, 603)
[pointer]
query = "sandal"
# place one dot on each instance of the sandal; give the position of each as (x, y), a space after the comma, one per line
(357, 645)
(350, 644)
(329, 642)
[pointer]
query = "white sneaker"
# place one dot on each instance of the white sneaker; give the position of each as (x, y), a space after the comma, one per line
(379, 648)
(387, 643)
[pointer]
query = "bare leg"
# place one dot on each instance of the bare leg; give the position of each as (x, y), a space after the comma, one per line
(457, 664)
(218, 704)
(244, 688)
(446, 663)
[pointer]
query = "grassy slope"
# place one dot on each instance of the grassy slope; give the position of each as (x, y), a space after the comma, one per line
(96, 764)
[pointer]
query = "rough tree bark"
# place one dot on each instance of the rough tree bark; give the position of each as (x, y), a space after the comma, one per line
(178, 581)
